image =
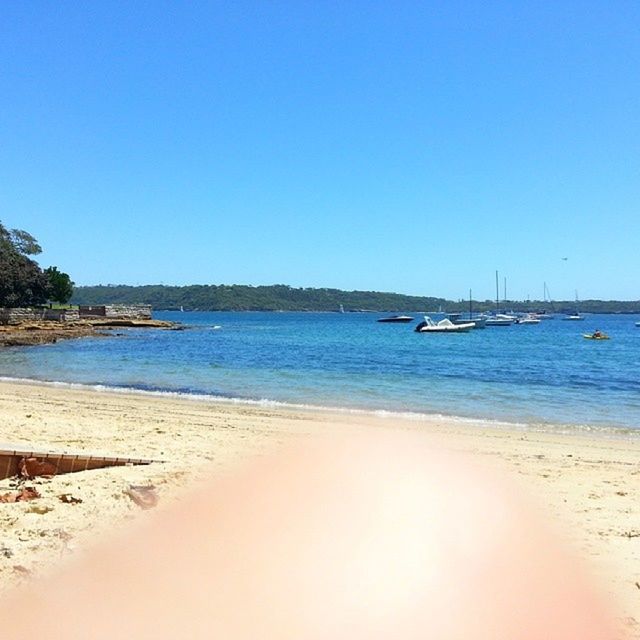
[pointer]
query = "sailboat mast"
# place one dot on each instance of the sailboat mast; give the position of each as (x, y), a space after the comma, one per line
(497, 295)
(470, 313)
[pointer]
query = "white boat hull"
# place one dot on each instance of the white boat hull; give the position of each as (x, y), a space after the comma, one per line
(456, 328)
(444, 326)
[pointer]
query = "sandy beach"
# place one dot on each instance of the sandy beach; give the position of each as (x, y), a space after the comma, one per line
(588, 483)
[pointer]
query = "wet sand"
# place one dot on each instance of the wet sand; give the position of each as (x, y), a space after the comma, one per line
(588, 483)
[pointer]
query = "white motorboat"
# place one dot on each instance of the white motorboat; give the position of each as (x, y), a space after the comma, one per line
(444, 326)
(500, 320)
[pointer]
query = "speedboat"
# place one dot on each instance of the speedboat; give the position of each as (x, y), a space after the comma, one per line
(573, 316)
(444, 326)
(396, 319)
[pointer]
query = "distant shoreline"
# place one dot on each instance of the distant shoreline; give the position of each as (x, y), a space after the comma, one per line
(286, 298)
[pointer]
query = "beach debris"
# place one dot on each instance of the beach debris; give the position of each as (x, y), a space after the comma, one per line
(63, 535)
(67, 498)
(6, 552)
(144, 496)
(632, 534)
(40, 509)
(33, 467)
(23, 495)
(20, 569)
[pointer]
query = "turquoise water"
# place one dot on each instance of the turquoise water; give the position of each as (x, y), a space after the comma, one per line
(536, 375)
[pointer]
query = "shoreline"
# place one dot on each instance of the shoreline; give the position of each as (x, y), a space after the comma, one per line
(40, 332)
(586, 483)
(596, 430)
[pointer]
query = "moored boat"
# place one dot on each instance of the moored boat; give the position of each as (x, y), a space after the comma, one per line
(479, 322)
(396, 319)
(576, 315)
(500, 320)
(444, 326)
(528, 318)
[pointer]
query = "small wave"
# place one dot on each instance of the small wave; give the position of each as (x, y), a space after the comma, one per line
(383, 414)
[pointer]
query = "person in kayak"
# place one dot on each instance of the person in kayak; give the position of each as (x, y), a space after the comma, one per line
(597, 334)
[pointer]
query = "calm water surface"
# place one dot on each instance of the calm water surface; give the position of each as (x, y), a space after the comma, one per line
(538, 374)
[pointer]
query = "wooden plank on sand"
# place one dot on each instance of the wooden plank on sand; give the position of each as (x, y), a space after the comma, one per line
(10, 460)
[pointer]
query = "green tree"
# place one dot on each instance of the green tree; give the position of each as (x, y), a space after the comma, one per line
(22, 281)
(61, 285)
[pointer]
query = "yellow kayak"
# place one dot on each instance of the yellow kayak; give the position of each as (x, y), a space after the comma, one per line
(589, 336)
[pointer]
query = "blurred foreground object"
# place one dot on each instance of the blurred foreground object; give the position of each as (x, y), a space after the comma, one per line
(373, 537)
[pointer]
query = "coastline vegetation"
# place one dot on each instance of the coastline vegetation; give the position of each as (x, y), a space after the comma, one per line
(23, 283)
(285, 298)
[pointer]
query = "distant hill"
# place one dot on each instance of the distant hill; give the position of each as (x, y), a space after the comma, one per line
(247, 298)
(282, 297)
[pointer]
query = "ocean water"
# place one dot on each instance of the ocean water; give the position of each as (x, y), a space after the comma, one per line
(538, 375)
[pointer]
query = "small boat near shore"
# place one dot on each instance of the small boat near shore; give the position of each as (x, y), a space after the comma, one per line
(444, 326)
(396, 319)
(593, 336)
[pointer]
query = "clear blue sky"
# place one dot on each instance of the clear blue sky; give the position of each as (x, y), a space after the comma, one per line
(394, 146)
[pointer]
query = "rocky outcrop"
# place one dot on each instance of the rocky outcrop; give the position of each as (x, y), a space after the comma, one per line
(128, 322)
(35, 332)
(41, 332)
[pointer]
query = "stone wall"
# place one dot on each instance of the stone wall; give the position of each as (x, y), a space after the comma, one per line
(123, 311)
(61, 315)
(16, 316)
(93, 311)
(129, 311)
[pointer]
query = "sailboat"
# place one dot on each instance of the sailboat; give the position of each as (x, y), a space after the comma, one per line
(499, 319)
(547, 301)
(576, 315)
(479, 320)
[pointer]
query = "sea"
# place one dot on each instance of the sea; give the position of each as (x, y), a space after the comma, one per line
(544, 376)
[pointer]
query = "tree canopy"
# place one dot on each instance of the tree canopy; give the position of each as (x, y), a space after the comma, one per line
(22, 282)
(61, 285)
